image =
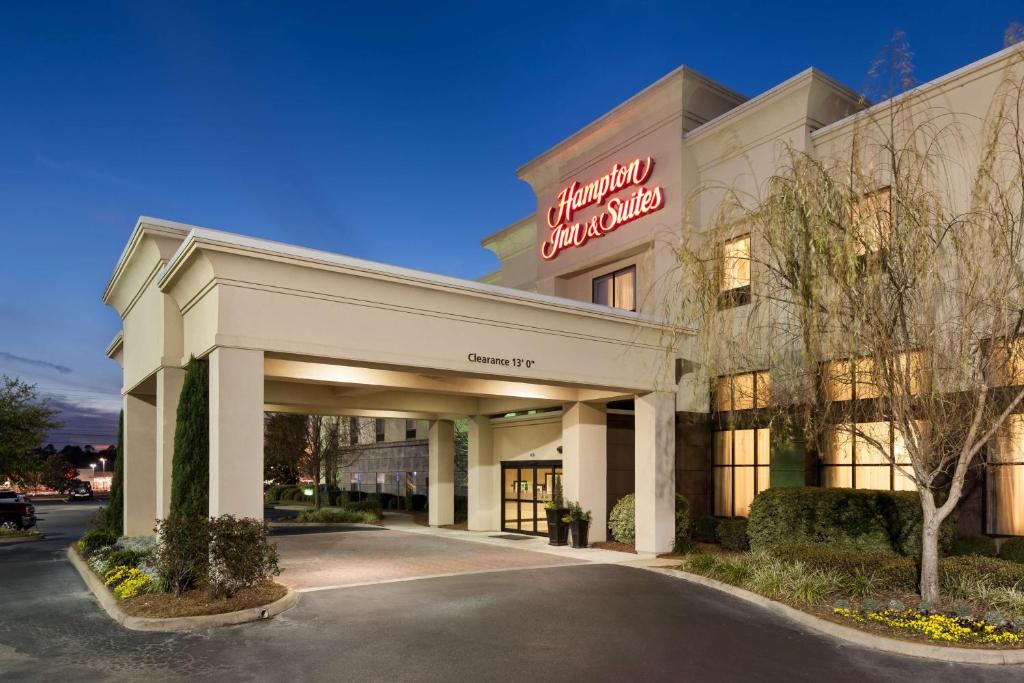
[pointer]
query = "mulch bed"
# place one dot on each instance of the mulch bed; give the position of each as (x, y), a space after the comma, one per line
(200, 602)
(615, 545)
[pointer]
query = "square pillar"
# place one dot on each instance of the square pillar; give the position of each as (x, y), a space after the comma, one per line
(139, 465)
(168, 390)
(585, 463)
(484, 477)
(441, 490)
(655, 464)
(236, 432)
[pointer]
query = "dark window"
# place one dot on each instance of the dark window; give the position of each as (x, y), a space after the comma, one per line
(410, 429)
(380, 429)
(617, 289)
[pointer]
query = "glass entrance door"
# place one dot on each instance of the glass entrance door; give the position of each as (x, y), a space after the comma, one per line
(525, 487)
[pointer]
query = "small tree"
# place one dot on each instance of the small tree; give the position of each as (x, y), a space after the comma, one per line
(56, 473)
(24, 423)
(115, 508)
(190, 473)
(888, 268)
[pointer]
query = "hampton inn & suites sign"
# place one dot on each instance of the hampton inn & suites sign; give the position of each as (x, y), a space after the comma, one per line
(566, 232)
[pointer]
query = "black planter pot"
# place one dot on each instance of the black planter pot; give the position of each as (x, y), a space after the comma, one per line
(558, 531)
(580, 530)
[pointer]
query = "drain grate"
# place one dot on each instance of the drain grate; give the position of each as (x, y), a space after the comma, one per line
(512, 537)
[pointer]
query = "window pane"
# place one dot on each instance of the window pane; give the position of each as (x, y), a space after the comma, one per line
(900, 453)
(1006, 500)
(722, 395)
(764, 447)
(903, 482)
(873, 477)
(764, 476)
(736, 263)
(743, 448)
(838, 446)
(1009, 441)
(744, 490)
(837, 477)
(603, 290)
(872, 444)
(764, 389)
(871, 221)
(865, 378)
(743, 391)
(838, 383)
(720, 447)
(625, 286)
(723, 491)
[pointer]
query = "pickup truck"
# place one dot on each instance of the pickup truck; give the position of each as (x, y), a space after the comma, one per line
(17, 515)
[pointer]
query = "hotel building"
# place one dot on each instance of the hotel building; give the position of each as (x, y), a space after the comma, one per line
(561, 359)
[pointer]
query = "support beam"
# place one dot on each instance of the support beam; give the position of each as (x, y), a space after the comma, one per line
(655, 465)
(441, 489)
(139, 465)
(168, 390)
(585, 463)
(484, 477)
(236, 432)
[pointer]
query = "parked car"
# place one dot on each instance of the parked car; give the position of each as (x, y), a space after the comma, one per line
(9, 495)
(80, 490)
(17, 514)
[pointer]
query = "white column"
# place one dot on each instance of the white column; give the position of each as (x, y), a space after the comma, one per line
(585, 463)
(441, 490)
(139, 465)
(655, 465)
(168, 391)
(236, 433)
(484, 477)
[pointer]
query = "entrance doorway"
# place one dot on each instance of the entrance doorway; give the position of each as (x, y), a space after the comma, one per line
(525, 487)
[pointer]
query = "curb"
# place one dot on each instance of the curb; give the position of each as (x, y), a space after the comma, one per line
(109, 604)
(959, 655)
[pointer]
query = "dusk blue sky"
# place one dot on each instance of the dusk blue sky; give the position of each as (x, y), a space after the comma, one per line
(387, 131)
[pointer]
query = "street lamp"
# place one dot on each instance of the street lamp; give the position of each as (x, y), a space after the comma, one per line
(93, 466)
(103, 464)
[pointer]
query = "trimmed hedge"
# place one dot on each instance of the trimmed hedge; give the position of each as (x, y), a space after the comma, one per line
(704, 529)
(842, 518)
(732, 533)
(893, 572)
(1012, 550)
(622, 520)
(974, 544)
(995, 572)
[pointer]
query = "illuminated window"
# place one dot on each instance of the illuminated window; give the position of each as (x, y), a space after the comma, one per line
(868, 455)
(848, 380)
(380, 429)
(617, 289)
(872, 221)
(1006, 362)
(740, 469)
(1004, 499)
(410, 429)
(744, 391)
(734, 286)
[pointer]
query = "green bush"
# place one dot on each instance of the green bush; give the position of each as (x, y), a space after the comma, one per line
(974, 544)
(182, 552)
(683, 542)
(241, 554)
(365, 506)
(335, 515)
(842, 518)
(622, 520)
(1012, 550)
(126, 557)
(732, 533)
(863, 571)
(94, 539)
(704, 529)
(994, 572)
(273, 493)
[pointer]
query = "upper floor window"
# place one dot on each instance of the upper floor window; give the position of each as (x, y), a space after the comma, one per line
(1005, 362)
(853, 379)
(380, 429)
(734, 266)
(410, 429)
(744, 391)
(617, 289)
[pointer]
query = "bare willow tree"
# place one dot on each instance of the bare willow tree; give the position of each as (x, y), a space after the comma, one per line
(886, 283)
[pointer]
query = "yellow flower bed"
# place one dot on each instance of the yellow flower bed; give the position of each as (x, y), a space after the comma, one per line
(128, 582)
(946, 628)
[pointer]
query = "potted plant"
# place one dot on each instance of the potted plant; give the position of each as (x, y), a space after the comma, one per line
(578, 520)
(558, 532)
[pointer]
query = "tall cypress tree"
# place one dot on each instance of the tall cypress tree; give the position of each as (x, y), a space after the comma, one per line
(115, 508)
(190, 473)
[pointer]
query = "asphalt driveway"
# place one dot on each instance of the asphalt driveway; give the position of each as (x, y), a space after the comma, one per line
(567, 623)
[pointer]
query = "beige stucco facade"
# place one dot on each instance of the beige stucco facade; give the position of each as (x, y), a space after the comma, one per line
(298, 330)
